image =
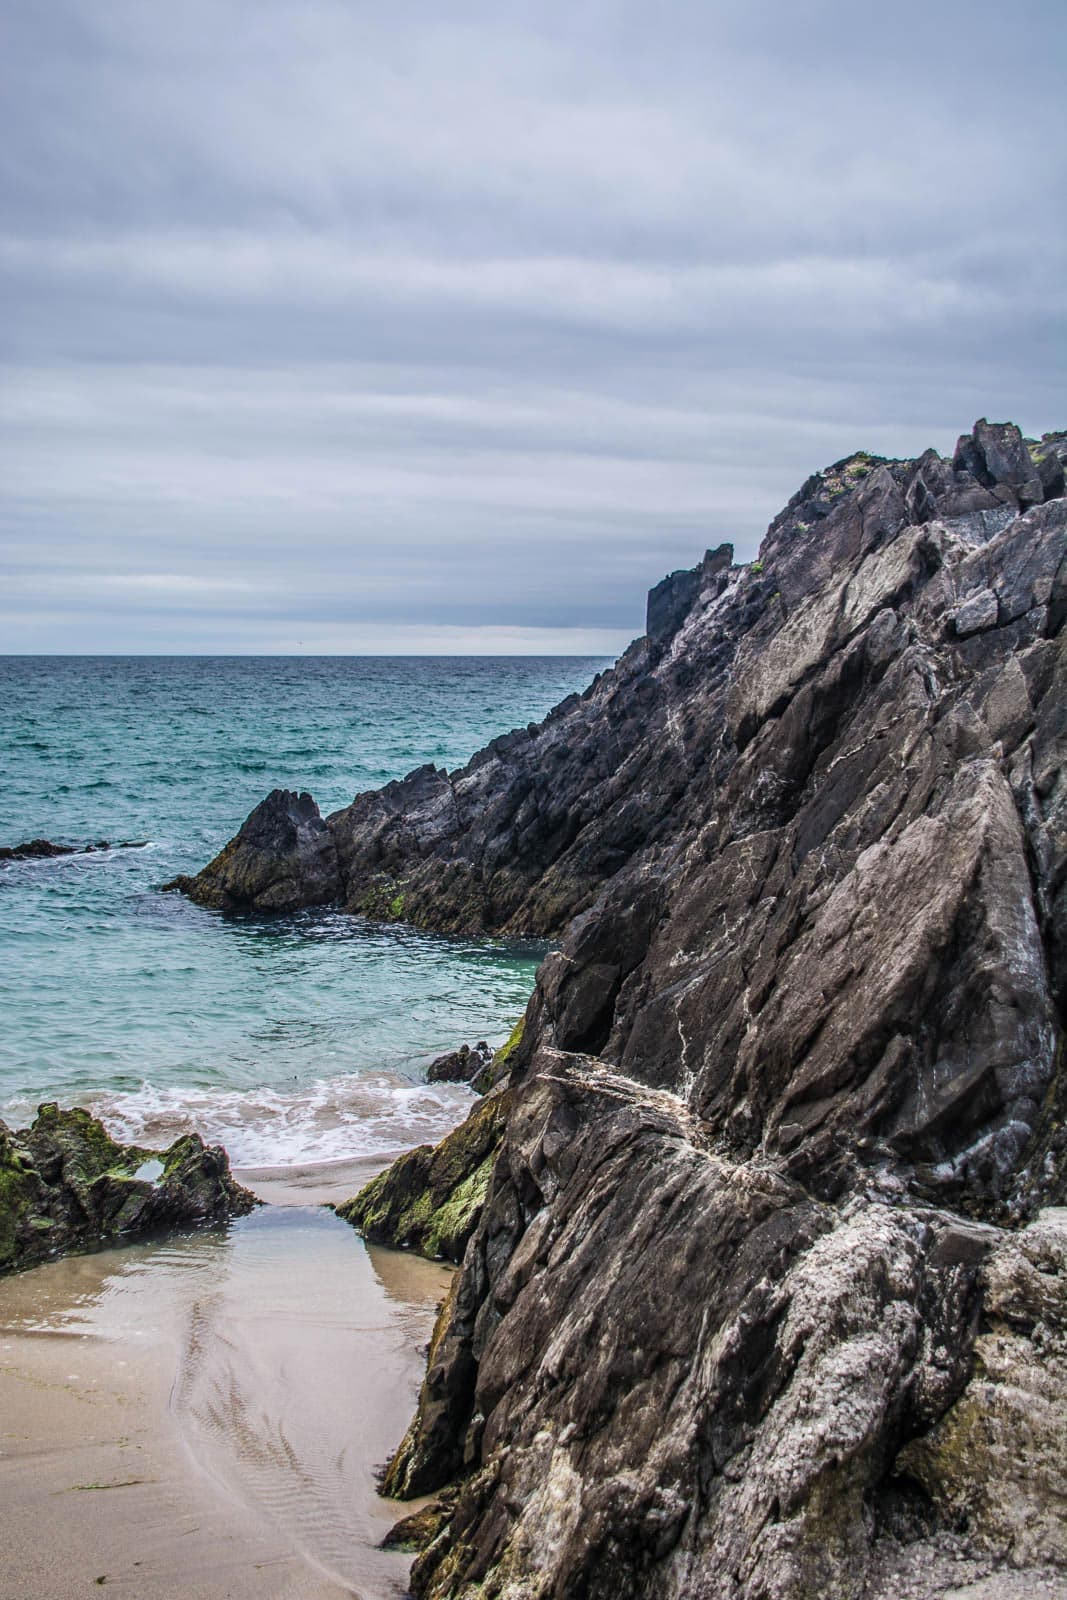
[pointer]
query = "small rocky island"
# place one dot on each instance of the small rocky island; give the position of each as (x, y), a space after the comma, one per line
(768, 1283)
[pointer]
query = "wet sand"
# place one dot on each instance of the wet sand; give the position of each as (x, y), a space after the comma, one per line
(204, 1417)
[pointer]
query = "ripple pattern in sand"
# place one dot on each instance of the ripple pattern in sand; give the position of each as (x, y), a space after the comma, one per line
(297, 1378)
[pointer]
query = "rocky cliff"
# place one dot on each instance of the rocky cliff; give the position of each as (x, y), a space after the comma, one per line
(769, 1268)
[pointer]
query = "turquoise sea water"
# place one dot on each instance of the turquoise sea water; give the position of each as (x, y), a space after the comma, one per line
(291, 1039)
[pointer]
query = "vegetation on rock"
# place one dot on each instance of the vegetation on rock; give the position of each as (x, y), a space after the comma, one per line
(65, 1185)
(430, 1199)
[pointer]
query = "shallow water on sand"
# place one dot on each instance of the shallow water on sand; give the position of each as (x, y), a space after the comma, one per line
(205, 1416)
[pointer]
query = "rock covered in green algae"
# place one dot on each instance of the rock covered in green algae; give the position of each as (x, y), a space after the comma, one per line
(431, 1198)
(66, 1185)
(497, 1069)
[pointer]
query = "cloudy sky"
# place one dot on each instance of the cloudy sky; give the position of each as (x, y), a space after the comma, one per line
(333, 326)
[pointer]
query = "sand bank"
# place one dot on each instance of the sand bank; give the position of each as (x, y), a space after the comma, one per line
(204, 1417)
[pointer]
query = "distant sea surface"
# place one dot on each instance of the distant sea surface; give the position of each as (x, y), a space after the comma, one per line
(294, 1039)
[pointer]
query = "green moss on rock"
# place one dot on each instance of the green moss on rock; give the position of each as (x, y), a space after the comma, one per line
(496, 1070)
(18, 1185)
(430, 1199)
(415, 1532)
(66, 1185)
(382, 899)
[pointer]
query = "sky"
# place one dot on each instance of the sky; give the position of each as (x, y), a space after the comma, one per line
(332, 327)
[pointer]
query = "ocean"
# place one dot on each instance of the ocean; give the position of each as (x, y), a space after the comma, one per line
(292, 1039)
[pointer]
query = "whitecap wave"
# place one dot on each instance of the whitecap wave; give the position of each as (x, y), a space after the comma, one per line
(332, 1119)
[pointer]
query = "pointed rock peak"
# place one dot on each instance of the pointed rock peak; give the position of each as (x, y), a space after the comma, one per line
(671, 600)
(995, 453)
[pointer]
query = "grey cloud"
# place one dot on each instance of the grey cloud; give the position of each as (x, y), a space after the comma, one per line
(404, 326)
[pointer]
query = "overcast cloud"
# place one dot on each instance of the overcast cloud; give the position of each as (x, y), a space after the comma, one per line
(340, 327)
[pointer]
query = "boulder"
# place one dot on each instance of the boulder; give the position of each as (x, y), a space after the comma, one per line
(66, 1185)
(460, 1066)
(283, 858)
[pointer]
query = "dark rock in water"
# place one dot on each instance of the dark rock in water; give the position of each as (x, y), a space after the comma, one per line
(35, 850)
(65, 1185)
(460, 1066)
(283, 857)
(44, 849)
(430, 1199)
(770, 1257)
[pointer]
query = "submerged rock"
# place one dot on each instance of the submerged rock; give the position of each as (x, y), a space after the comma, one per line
(39, 850)
(45, 849)
(757, 1281)
(66, 1185)
(460, 1066)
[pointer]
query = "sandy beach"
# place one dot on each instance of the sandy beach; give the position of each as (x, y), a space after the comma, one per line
(203, 1417)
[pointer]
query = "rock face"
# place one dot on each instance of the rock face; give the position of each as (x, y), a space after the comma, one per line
(760, 1271)
(66, 1185)
(996, 1460)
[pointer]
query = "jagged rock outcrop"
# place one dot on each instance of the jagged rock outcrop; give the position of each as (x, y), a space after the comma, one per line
(791, 1090)
(282, 858)
(65, 1185)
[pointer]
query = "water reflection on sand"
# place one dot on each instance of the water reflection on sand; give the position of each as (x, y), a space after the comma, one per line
(205, 1416)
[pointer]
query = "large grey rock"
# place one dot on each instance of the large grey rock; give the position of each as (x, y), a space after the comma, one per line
(977, 612)
(793, 1075)
(674, 1374)
(284, 857)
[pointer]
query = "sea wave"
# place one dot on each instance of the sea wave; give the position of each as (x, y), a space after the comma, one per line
(331, 1119)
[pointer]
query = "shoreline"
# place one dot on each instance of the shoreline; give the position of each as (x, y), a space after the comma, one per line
(313, 1183)
(165, 1425)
